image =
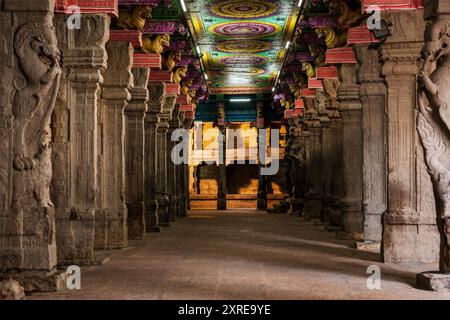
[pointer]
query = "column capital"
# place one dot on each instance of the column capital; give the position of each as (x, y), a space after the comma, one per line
(139, 93)
(84, 49)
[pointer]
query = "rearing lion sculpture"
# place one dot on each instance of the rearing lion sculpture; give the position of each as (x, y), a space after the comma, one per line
(433, 125)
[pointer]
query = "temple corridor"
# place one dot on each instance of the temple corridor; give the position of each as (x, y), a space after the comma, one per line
(243, 255)
(224, 149)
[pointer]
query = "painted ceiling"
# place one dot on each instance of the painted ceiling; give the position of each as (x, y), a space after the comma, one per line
(243, 42)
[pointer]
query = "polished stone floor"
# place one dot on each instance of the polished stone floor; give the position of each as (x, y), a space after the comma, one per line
(243, 255)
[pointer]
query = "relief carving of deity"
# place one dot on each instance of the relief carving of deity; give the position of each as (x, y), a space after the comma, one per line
(433, 125)
(33, 100)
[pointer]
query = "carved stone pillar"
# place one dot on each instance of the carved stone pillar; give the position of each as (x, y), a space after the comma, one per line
(162, 179)
(111, 222)
(333, 210)
(222, 178)
(29, 86)
(409, 229)
(373, 92)
(172, 168)
(313, 202)
(350, 109)
(151, 122)
(332, 145)
(261, 202)
(134, 146)
(433, 128)
(326, 141)
(75, 187)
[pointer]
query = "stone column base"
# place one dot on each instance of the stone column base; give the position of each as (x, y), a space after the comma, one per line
(313, 207)
(433, 281)
(136, 220)
(151, 217)
(297, 206)
(38, 281)
(75, 237)
(353, 219)
(111, 229)
(221, 204)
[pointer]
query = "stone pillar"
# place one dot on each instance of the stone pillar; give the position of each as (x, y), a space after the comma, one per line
(409, 229)
(326, 140)
(262, 189)
(134, 146)
(151, 121)
(372, 92)
(75, 187)
(433, 129)
(111, 224)
(29, 87)
(350, 109)
(312, 207)
(172, 168)
(222, 178)
(162, 179)
(334, 212)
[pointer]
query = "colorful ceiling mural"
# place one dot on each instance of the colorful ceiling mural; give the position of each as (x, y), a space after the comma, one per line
(243, 42)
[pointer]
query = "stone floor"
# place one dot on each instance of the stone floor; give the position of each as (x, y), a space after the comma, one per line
(243, 255)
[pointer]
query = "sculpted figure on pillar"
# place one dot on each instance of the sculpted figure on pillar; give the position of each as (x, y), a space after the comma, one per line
(433, 125)
(171, 59)
(134, 19)
(156, 44)
(179, 74)
(34, 98)
(295, 153)
(332, 38)
(347, 16)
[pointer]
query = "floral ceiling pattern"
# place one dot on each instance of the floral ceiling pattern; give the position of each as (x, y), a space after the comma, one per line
(243, 42)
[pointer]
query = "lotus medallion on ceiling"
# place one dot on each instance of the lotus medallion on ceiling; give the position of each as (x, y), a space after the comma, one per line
(243, 42)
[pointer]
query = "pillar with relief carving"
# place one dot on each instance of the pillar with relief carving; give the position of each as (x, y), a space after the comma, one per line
(77, 146)
(134, 155)
(162, 191)
(313, 198)
(31, 73)
(409, 224)
(111, 223)
(172, 176)
(433, 129)
(373, 92)
(352, 170)
(151, 122)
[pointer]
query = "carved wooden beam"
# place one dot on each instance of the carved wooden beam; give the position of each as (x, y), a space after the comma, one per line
(299, 104)
(315, 84)
(308, 93)
(171, 88)
(133, 36)
(392, 4)
(327, 73)
(161, 76)
(187, 107)
(340, 55)
(147, 60)
(361, 35)
(110, 7)
(183, 99)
